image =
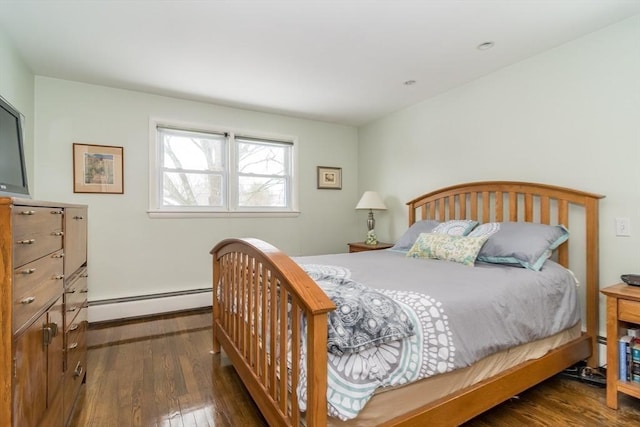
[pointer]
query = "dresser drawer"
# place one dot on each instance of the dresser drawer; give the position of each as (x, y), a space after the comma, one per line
(76, 343)
(36, 232)
(74, 315)
(76, 356)
(76, 346)
(629, 311)
(28, 276)
(75, 295)
(35, 285)
(78, 322)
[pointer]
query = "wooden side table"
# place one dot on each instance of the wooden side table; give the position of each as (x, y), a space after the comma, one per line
(623, 310)
(362, 246)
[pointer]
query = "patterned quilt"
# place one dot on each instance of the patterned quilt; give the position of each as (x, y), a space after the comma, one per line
(354, 377)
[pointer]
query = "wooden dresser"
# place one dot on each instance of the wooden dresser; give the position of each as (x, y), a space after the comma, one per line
(43, 299)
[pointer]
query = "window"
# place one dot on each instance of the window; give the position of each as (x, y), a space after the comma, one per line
(220, 172)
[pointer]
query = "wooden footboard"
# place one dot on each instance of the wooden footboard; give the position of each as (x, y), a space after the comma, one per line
(261, 298)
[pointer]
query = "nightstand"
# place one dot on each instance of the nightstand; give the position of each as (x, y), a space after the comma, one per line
(623, 310)
(362, 246)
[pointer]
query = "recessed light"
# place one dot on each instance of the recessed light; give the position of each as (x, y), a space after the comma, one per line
(410, 82)
(485, 45)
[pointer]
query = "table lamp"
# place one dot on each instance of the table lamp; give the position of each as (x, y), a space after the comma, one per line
(371, 200)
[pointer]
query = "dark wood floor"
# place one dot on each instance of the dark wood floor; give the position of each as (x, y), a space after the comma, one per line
(159, 372)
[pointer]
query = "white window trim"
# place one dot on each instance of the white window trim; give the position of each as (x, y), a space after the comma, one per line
(206, 212)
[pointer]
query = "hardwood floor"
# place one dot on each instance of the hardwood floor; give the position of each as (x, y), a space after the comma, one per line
(159, 372)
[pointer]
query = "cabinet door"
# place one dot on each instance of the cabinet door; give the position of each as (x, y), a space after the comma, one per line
(30, 358)
(39, 368)
(75, 239)
(55, 350)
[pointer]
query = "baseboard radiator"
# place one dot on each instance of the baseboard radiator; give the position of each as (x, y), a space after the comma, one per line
(145, 305)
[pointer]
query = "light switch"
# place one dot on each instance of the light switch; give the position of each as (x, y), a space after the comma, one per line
(623, 227)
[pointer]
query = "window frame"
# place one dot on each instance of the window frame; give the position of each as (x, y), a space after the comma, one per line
(230, 206)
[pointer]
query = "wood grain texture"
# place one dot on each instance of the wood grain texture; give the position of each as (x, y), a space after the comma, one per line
(362, 246)
(6, 312)
(32, 354)
(128, 387)
(160, 372)
(30, 399)
(252, 273)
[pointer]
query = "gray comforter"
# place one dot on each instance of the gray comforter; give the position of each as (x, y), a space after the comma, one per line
(461, 314)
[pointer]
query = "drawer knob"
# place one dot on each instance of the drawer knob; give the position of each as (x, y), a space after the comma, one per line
(78, 371)
(73, 327)
(72, 309)
(72, 346)
(59, 277)
(28, 213)
(60, 255)
(28, 271)
(27, 241)
(28, 300)
(57, 233)
(78, 217)
(57, 212)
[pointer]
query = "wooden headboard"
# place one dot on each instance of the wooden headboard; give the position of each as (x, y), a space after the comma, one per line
(488, 201)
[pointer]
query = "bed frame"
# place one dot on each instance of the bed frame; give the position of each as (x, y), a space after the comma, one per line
(254, 284)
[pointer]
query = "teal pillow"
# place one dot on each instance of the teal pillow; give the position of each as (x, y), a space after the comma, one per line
(525, 244)
(461, 249)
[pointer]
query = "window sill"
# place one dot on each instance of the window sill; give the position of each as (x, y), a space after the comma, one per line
(202, 214)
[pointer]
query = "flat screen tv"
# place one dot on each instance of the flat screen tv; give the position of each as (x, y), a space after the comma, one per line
(13, 173)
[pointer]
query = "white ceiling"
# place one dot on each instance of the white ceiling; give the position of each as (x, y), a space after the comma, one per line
(339, 61)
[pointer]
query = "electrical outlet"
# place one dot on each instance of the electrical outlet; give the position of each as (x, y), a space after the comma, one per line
(623, 227)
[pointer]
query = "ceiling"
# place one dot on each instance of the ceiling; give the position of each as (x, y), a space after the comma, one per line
(340, 61)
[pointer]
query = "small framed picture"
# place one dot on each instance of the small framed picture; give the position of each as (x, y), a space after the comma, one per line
(329, 178)
(97, 169)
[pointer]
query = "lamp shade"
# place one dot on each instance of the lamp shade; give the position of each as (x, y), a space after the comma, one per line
(371, 200)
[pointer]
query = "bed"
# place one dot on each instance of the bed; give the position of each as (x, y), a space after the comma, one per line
(272, 318)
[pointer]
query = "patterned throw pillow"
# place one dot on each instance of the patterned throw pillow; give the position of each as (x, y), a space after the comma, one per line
(461, 249)
(455, 227)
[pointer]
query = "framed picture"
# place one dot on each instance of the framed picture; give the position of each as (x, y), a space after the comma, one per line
(329, 178)
(97, 169)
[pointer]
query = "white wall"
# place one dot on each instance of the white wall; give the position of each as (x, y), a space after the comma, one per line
(16, 86)
(569, 117)
(131, 254)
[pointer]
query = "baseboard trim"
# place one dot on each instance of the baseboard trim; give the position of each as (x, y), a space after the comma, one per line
(146, 305)
(150, 317)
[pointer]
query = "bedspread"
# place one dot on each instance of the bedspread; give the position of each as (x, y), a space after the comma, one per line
(460, 315)
(353, 378)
